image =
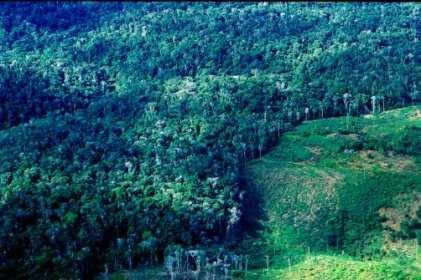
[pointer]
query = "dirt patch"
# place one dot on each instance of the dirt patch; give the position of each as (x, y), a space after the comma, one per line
(416, 115)
(393, 218)
(401, 246)
(315, 156)
(352, 136)
(315, 150)
(333, 135)
(331, 178)
(408, 205)
(315, 195)
(367, 158)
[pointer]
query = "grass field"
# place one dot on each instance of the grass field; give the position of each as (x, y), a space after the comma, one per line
(341, 199)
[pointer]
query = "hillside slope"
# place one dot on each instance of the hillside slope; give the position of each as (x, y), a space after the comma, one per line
(342, 187)
(338, 199)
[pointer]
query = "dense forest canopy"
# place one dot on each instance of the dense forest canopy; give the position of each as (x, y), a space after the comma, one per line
(124, 127)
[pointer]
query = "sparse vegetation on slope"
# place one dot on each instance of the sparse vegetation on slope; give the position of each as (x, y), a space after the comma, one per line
(344, 186)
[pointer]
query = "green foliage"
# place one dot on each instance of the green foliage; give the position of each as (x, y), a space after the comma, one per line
(124, 128)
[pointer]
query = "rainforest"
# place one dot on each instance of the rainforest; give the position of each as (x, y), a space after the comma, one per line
(210, 140)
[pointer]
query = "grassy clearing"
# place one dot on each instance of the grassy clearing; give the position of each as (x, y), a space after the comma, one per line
(323, 267)
(343, 185)
(329, 267)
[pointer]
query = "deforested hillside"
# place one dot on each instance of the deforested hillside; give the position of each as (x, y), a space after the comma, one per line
(126, 128)
(342, 186)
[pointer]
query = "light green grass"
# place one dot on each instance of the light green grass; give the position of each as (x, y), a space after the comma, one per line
(308, 180)
(339, 268)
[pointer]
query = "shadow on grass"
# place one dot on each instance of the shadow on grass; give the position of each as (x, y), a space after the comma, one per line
(253, 214)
